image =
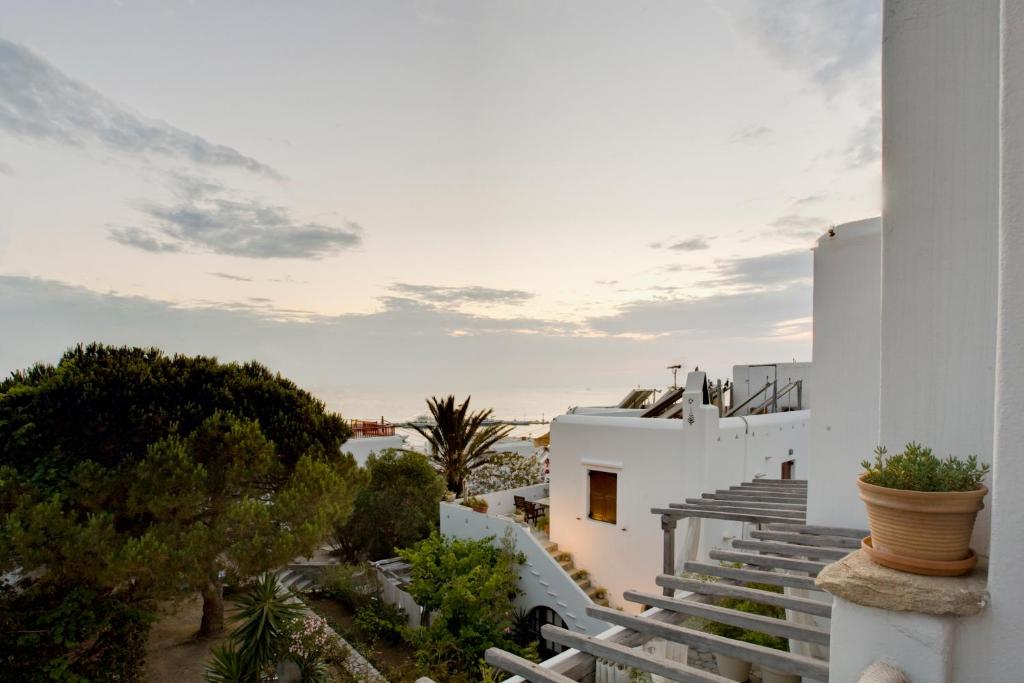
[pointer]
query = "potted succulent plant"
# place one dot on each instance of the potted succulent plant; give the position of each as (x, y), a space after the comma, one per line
(921, 510)
(478, 504)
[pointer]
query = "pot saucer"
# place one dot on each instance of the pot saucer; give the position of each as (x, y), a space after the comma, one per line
(914, 565)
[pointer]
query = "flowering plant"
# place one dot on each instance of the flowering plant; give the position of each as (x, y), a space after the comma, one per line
(311, 645)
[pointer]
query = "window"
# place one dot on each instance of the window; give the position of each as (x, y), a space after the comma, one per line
(602, 496)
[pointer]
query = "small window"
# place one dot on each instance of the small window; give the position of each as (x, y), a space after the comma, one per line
(603, 487)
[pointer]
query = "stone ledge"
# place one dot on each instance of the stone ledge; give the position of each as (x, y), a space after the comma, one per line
(859, 580)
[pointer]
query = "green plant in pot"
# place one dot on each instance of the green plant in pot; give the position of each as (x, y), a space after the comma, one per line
(477, 504)
(921, 510)
(737, 669)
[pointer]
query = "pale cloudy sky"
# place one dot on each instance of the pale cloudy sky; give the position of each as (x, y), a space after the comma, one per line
(432, 195)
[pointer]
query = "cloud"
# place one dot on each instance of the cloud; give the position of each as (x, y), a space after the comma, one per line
(462, 295)
(6, 169)
(865, 147)
(718, 316)
(229, 276)
(140, 239)
(205, 217)
(407, 345)
(834, 44)
(751, 134)
(799, 226)
(39, 102)
(692, 244)
(809, 199)
(776, 270)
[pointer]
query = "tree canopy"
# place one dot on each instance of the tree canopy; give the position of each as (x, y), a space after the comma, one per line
(145, 475)
(395, 508)
(470, 586)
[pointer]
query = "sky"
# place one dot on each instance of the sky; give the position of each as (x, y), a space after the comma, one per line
(537, 202)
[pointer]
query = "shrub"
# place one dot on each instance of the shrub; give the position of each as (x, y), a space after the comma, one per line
(469, 585)
(751, 607)
(916, 469)
(378, 620)
(349, 585)
(504, 471)
(52, 632)
(312, 646)
(396, 508)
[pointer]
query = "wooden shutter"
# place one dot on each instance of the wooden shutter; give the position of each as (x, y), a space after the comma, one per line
(603, 492)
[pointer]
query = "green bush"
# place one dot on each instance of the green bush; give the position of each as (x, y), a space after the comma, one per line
(916, 469)
(350, 585)
(750, 607)
(396, 508)
(69, 633)
(378, 620)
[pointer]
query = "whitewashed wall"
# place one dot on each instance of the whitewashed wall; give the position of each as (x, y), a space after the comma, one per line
(658, 462)
(542, 580)
(989, 644)
(847, 317)
(940, 239)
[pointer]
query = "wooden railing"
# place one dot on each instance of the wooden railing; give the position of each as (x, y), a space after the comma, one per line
(363, 428)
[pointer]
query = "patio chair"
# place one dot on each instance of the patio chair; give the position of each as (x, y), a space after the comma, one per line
(520, 503)
(532, 511)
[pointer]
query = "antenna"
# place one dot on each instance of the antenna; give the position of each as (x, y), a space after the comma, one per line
(675, 370)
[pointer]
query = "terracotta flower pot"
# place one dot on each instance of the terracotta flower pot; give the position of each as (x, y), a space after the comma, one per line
(479, 508)
(732, 668)
(927, 528)
(773, 676)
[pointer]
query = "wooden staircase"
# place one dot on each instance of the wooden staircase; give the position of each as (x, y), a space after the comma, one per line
(783, 552)
(580, 576)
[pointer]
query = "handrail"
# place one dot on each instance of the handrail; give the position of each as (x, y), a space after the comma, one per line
(795, 384)
(749, 399)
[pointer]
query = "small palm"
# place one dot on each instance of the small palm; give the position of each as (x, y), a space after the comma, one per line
(460, 441)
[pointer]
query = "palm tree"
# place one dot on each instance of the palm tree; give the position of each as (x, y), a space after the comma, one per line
(459, 440)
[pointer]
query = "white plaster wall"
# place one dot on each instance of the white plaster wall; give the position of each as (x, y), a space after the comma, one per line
(940, 162)
(658, 462)
(654, 465)
(847, 310)
(541, 579)
(989, 646)
(361, 448)
(748, 379)
(920, 645)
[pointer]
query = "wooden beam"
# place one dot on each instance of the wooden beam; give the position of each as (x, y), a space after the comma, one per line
(820, 530)
(779, 481)
(757, 495)
(727, 590)
(808, 539)
(751, 575)
(768, 487)
(752, 509)
(786, 662)
(580, 665)
(811, 552)
(757, 499)
(633, 658)
(711, 500)
(714, 514)
(768, 561)
(732, 617)
(514, 664)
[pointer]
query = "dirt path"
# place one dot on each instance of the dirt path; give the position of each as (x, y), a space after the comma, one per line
(173, 654)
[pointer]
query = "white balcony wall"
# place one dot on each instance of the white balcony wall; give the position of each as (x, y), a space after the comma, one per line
(541, 579)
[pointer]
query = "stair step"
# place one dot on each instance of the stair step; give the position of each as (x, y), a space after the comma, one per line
(567, 565)
(584, 583)
(550, 546)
